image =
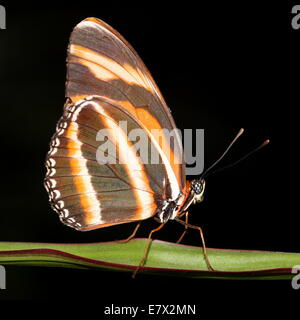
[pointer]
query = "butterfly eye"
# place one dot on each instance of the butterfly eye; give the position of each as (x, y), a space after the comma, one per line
(197, 186)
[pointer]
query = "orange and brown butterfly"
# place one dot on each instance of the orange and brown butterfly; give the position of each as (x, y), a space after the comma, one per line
(107, 82)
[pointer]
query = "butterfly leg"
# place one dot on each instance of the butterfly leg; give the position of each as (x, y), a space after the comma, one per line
(146, 251)
(186, 213)
(202, 239)
(132, 235)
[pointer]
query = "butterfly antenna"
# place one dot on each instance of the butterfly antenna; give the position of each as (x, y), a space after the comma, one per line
(241, 131)
(243, 158)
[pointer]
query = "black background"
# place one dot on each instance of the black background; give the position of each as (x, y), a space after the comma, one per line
(220, 67)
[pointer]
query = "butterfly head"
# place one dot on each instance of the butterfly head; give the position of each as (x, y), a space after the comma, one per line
(198, 188)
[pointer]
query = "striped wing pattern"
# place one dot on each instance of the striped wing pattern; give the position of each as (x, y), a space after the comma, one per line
(107, 83)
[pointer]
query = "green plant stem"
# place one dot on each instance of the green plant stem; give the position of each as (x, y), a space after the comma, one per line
(164, 258)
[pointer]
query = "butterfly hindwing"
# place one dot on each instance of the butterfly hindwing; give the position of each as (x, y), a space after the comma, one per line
(89, 193)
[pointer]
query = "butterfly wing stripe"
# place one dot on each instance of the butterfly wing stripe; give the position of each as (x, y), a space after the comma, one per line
(91, 79)
(104, 67)
(127, 50)
(172, 157)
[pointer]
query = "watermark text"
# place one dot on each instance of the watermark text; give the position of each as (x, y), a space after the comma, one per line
(2, 278)
(296, 278)
(2, 17)
(121, 144)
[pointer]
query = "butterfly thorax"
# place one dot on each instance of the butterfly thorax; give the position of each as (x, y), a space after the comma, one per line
(171, 208)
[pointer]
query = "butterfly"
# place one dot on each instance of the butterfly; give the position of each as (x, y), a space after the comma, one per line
(107, 83)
